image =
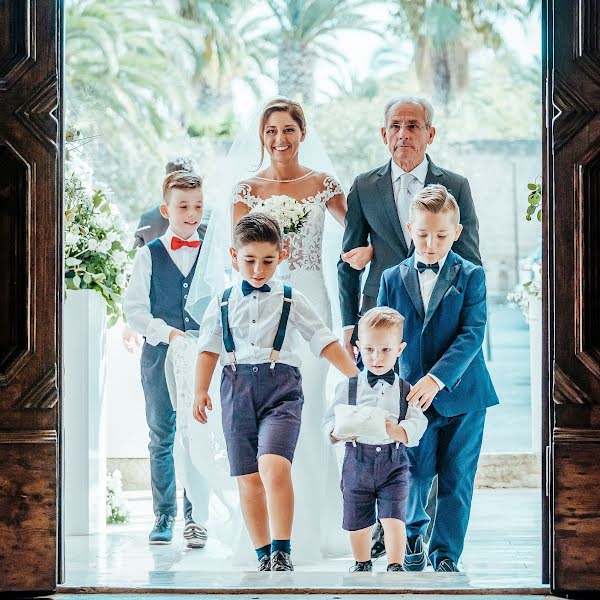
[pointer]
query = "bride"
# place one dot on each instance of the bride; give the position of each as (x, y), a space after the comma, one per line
(282, 132)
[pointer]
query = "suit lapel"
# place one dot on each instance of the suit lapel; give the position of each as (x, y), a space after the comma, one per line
(386, 194)
(446, 277)
(411, 283)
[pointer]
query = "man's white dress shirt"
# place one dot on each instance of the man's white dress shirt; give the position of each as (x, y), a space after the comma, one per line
(406, 185)
(427, 281)
(384, 396)
(136, 304)
(254, 319)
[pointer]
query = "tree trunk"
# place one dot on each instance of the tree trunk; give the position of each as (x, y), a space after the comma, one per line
(296, 71)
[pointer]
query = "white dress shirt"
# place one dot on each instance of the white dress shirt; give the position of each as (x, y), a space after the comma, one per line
(384, 396)
(427, 281)
(253, 320)
(419, 174)
(136, 304)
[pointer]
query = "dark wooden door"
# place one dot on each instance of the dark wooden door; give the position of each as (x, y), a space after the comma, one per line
(573, 220)
(30, 293)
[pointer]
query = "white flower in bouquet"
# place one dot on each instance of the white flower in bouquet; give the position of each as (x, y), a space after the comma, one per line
(289, 213)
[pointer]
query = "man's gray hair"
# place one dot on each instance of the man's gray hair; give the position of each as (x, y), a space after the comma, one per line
(425, 104)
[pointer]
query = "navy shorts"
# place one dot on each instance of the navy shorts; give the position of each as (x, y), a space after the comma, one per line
(261, 412)
(374, 477)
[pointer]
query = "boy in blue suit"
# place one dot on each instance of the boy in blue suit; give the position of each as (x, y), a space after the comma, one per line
(443, 300)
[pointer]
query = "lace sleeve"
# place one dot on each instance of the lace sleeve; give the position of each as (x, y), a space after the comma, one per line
(242, 193)
(332, 188)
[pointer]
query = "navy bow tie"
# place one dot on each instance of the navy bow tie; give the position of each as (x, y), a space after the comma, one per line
(248, 288)
(422, 267)
(390, 377)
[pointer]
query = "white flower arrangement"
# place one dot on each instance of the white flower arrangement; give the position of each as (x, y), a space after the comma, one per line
(117, 510)
(95, 253)
(289, 213)
(528, 291)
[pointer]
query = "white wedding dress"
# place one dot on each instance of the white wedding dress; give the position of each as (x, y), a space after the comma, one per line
(317, 530)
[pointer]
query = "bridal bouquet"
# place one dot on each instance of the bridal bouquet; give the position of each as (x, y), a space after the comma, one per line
(289, 213)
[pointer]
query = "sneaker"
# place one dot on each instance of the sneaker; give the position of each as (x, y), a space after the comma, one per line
(281, 561)
(358, 567)
(377, 541)
(395, 567)
(264, 564)
(447, 565)
(163, 530)
(416, 557)
(195, 535)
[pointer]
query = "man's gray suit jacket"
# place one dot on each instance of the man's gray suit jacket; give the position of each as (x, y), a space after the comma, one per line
(152, 225)
(372, 217)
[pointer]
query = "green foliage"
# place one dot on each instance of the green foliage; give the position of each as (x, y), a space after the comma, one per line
(535, 201)
(95, 256)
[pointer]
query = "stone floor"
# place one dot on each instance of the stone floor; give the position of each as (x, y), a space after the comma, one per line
(502, 555)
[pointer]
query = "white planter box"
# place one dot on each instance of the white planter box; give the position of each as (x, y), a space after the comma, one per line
(84, 320)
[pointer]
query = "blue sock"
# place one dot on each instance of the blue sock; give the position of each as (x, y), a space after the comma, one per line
(263, 551)
(281, 545)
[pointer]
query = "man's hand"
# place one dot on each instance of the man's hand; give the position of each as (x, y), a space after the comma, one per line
(348, 346)
(333, 439)
(131, 339)
(175, 333)
(396, 432)
(423, 392)
(202, 403)
(358, 258)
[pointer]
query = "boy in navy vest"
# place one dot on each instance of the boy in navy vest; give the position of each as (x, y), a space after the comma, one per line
(255, 328)
(155, 307)
(375, 471)
(443, 300)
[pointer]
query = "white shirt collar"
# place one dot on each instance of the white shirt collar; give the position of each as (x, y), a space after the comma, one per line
(419, 258)
(170, 234)
(420, 171)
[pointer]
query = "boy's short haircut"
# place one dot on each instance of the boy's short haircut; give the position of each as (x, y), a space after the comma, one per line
(256, 227)
(382, 317)
(435, 198)
(181, 180)
(181, 163)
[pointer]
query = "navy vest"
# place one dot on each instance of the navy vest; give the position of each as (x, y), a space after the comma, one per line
(169, 289)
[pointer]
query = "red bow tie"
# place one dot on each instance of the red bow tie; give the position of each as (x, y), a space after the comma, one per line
(177, 243)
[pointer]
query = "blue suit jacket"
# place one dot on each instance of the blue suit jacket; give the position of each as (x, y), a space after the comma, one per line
(446, 341)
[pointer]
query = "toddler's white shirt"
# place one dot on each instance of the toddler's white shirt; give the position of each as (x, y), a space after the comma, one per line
(385, 396)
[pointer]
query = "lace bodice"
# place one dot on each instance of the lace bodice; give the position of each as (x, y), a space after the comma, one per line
(305, 246)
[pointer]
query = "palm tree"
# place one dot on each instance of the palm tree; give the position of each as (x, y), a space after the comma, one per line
(226, 44)
(442, 32)
(121, 65)
(304, 34)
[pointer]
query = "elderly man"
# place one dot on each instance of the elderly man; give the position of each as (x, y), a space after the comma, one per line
(378, 205)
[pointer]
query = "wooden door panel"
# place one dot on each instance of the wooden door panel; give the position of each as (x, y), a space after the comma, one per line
(574, 299)
(30, 292)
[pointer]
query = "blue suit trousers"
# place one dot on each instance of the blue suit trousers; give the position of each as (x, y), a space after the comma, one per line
(449, 449)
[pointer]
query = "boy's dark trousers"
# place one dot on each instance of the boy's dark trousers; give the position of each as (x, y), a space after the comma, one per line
(160, 417)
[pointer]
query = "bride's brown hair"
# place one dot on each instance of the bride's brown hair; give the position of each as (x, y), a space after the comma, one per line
(279, 105)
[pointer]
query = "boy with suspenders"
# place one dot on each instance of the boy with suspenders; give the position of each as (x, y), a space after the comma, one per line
(375, 471)
(254, 328)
